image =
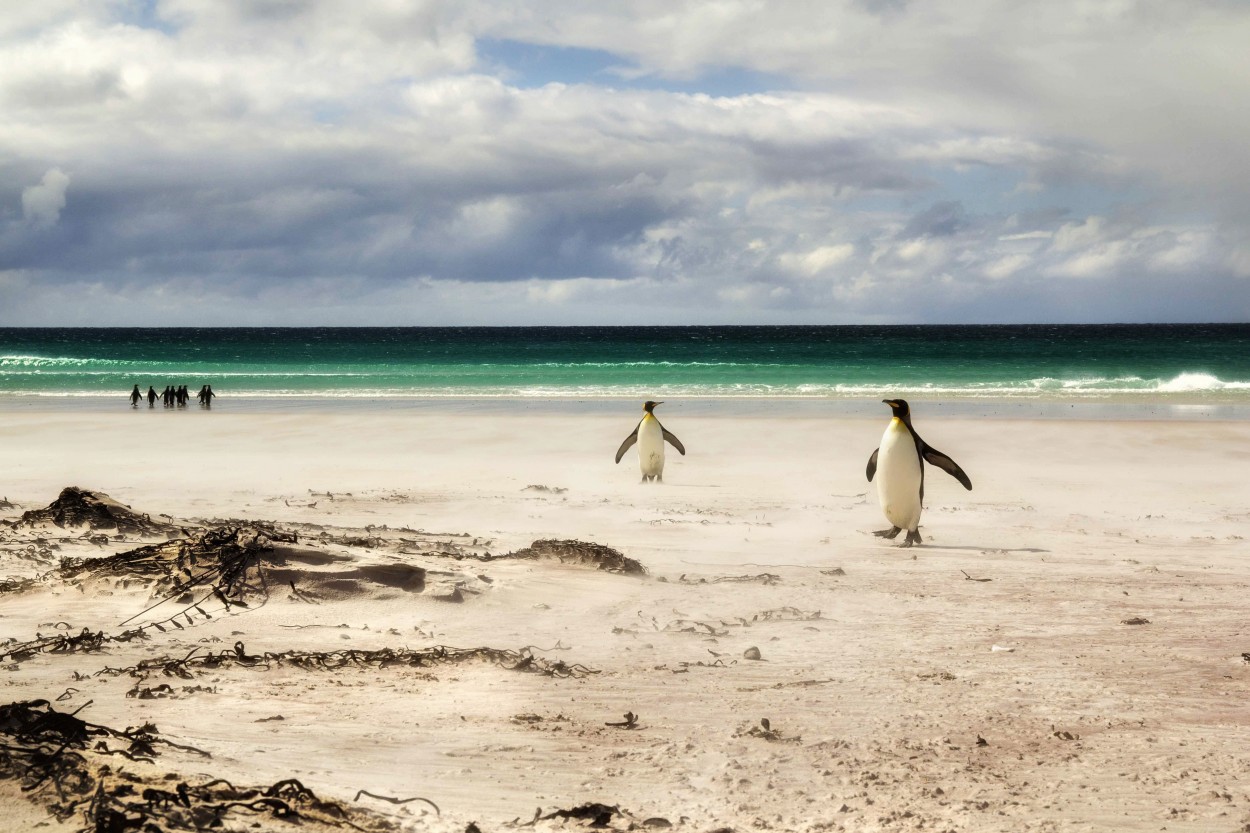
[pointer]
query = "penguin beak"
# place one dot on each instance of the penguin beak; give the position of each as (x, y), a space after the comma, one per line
(889, 402)
(659, 403)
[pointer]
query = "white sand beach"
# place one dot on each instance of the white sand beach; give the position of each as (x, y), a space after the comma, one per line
(988, 680)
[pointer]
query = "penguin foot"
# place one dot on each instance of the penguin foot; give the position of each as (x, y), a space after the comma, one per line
(913, 537)
(890, 533)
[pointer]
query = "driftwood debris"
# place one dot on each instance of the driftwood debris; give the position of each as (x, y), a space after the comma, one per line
(76, 507)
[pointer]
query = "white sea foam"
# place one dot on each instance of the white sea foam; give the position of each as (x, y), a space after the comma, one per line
(1190, 382)
(41, 361)
(1183, 386)
(53, 376)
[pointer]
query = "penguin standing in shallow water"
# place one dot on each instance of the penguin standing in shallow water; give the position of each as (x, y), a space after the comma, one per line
(650, 436)
(900, 486)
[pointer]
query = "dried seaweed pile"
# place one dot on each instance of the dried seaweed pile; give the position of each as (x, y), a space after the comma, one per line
(401, 539)
(566, 552)
(222, 564)
(581, 552)
(30, 545)
(16, 585)
(463, 547)
(96, 510)
(66, 642)
(223, 558)
(185, 668)
(721, 626)
(59, 760)
(768, 579)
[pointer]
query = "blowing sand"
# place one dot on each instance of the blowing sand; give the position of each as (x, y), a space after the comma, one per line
(1065, 651)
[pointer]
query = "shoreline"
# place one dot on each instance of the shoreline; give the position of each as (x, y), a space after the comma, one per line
(1144, 408)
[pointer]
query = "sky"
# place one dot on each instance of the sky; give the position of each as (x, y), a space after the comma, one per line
(427, 162)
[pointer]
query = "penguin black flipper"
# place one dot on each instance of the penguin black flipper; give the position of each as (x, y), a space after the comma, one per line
(672, 440)
(872, 464)
(629, 441)
(946, 464)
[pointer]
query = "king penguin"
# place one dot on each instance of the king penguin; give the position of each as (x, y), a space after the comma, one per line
(650, 436)
(901, 458)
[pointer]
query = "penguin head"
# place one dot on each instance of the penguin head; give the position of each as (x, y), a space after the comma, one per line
(649, 406)
(899, 407)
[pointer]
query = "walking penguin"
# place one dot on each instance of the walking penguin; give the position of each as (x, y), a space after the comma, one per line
(650, 436)
(899, 462)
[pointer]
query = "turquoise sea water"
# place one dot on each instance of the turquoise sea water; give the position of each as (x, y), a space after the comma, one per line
(1178, 364)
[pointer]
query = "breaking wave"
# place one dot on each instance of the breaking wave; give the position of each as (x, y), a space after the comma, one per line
(1184, 386)
(341, 374)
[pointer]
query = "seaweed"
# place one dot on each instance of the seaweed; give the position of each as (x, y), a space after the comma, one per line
(56, 756)
(16, 585)
(84, 641)
(763, 578)
(96, 510)
(580, 552)
(565, 551)
(687, 625)
(185, 667)
(226, 559)
(223, 564)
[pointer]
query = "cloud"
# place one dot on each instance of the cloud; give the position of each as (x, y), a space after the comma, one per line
(1005, 266)
(818, 261)
(940, 220)
(313, 162)
(42, 203)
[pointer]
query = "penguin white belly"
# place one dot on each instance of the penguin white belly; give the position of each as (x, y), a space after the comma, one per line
(898, 477)
(651, 447)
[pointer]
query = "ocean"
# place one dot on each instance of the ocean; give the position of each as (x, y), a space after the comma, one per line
(1177, 366)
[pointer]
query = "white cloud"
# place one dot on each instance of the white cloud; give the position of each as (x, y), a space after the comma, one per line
(1182, 251)
(818, 260)
(1006, 266)
(42, 203)
(1092, 263)
(1027, 235)
(1077, 236)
